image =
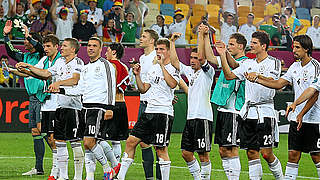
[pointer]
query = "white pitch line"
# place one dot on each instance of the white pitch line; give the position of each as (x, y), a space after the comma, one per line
(139, 164)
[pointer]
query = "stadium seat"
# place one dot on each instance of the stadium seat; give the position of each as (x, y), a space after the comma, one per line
(260, 3)
(184, 8)
(198, 10)
(153, 7)
(156, 2)
(167, 9)
(314, 11)
(213, 10)
(216, 2)
(173, 2)
(213, 21)
(202, 2)
(194, 20)
(243, 11)
(242, 20)
(168, 19)
(258, 11)
(303, 13)
(256, 20)
(306, 24)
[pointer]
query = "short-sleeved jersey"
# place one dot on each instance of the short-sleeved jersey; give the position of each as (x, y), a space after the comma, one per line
(161, 95)
(314, 34)
(227, 31)
(200, 82)
(247, 31)
(98, 82)
(256, 93)
(301, 77)
(146, 62)
(64, 70)
(181, 28)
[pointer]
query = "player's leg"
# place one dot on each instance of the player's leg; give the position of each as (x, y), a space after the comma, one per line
(314, 135)
(164, 162)
(109, 153)
(267, 142)
(226, 136)
(188, 144)
(295, 147)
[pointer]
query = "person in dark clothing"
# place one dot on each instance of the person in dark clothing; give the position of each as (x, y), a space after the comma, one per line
(84, 30)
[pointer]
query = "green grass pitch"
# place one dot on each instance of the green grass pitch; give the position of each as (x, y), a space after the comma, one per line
(16, 157)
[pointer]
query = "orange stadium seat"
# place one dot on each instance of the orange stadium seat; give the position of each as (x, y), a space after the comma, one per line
(213, 10)
(198, 10)
(242, 20)
(168, 19)
(243, 11)
(213, 21)
(217, 2)
(194, 20)
(258, 11)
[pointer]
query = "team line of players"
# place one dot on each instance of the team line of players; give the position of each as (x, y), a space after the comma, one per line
(244, 94)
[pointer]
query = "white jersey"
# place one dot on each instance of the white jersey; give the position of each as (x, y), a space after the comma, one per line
(247, 31)
(181, 28)
(256, 93)
(98, 82)
(314, 34)
(226, 32)
(200, 82)
(301, 78)
(50, 104)
(95, 17)
(146, 62)
(63, 71)
(158, 29)
(161, 95)
(64, 28)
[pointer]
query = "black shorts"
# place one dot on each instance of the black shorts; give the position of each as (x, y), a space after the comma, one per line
(48, 119)
(116, 128)
(227, 129)
(154, 128)
(307, 139)
(69, 125)
(254, 135)
(197, 135)
(93, 117)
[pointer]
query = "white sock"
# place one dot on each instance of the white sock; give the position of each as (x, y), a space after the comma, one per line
(235, 168)
(78, 158)
(125, 164)
(318, 169)
(194, 169)
(225, 165)
(90, 161)
(109, 153)
(276, 169)
(62, 159)
(101, 157)
(291, 171)
(54, 169)
(116, 147)
(255, 169)
(165, 169)
(205, 170)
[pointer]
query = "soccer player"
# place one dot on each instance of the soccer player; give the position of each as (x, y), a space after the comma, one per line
(304, 125)
(197, 133)
(69, 126)
(34, 89)
(117, 127)
(258, 127)
(99, 86)
(148, 41)
(229, 95)
(154, 126)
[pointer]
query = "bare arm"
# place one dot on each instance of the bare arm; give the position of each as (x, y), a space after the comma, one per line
(305, 95)
(139, 14)
(189, 12)
(18, 73)
(172, 83)
(53, 10)
(228, 74)
(142, 87)
(183, 86)
(309, 103)
(12, 8)
(44, 73)
(75, 12)
(32, 11)
(274, 84)
(173, 53)
(208, 51)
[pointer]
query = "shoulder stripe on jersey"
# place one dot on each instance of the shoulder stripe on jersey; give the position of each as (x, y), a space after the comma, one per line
(316, 67)
(109, 81)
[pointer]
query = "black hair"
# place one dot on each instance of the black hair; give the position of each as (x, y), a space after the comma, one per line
(289, 9)
(4, 57)
(118, 47)
(262, 37)
(37, 37)
(240, 39)
(305, 42)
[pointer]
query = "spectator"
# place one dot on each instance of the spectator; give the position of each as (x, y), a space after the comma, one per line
(160, 27)
(129, 27)
(227, 28)
(3, 19)
(314, 32)
(34, 7)
(180, 25)
(42, 26)
(286, 39)
(64, 25)
(132, 6)
(212, 30)
(248, 29)
(4, 73)
(110, 33)
(271, 9)
(115, 13)
(293, 22)
(17, 13)
(83, 30)
(95, 16)
(67, 4)
(228, 6)
(274, 30)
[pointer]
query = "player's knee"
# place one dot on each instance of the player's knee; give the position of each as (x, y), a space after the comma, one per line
(315, 157)
(294, 156)
(132, 142)
(252, 154)
(204, 156)
(88, 143)
(267, 155)
(187, 156)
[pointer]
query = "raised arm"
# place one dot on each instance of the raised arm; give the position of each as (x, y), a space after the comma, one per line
(12, 9)
(54, 9)
(75, 12)
(208, 52)
(228, 74)
(32, 11)
(173, 53)
(14, 53)
(37, 45)
(142, 87)
(171, 82)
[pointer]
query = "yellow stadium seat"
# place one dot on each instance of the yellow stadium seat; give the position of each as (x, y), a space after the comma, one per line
(217, 2)
(242, 20)
(213, 10)
(306, 24)
(168, 19)
(173, 2)
(243, 11)
(184, 8)
(194, 20)
(156, 2)
(213, 21)
(258, 11)
(198, 10)
(260, 3)
(256, 20)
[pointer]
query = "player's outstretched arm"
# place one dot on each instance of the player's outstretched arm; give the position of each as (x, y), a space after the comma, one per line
(35, 72)
(266, 81)
(173, 53)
